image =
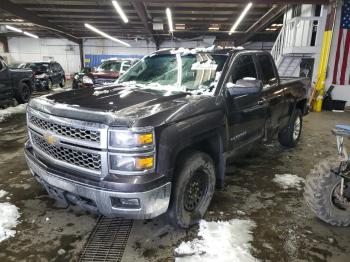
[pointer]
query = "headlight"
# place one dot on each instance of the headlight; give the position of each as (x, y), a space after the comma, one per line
(131, 164)
(87, 80)
(128, 139)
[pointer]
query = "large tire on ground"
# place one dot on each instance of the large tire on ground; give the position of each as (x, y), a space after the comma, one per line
(322, 189)
(290, 135)
(63, 82)
(193, 189)
(23, 93)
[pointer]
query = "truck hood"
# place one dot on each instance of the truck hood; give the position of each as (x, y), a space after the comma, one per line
(120, 105)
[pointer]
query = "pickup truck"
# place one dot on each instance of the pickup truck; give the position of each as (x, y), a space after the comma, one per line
(157, 141)
(14, 83)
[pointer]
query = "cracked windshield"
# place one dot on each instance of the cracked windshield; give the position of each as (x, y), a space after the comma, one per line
(192, 72)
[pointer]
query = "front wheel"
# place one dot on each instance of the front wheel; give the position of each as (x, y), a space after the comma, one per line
(23, 93)
(322, 194)
(49, 84)
(193, 189)
(290, 135)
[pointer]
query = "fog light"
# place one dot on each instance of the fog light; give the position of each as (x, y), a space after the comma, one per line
(125, 202)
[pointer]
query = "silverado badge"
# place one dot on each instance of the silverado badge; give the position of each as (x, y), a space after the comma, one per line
(51, 139)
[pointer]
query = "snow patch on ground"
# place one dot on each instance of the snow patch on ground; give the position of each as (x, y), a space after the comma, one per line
(8, 220)
(223, 241)
(2, 193)
(7, 112)
(287, 181)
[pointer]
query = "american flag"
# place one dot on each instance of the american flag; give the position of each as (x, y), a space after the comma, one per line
(341, 74)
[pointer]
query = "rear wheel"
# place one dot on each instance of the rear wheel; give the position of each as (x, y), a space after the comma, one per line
(63, 82)
(193, 189)
(23, 93)
(290, 135)
(322, 194)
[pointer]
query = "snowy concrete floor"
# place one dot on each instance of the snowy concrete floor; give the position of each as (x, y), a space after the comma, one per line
(285, 228)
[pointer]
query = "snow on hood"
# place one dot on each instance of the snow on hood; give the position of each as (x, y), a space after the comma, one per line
(223, 241)
(13, 110)
(287, 181)
(9, 216)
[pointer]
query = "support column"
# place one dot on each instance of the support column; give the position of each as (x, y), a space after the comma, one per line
(324, 56)
(3, 40)
(81, 53)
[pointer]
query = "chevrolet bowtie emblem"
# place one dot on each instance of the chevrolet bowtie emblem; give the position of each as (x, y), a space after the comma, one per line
(51, 139)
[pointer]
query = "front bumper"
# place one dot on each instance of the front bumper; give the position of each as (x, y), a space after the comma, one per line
(152, 203)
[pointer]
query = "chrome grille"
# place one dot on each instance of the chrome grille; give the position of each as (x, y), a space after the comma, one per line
(71, 132)
(77, 158)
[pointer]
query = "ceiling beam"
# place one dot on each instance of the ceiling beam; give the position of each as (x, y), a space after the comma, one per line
(32, 18)
(141, 11)
(240, 1)
(262, 23)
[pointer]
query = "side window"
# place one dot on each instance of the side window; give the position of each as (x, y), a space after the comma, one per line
(1, 66)
(243, 67)
(267, 69)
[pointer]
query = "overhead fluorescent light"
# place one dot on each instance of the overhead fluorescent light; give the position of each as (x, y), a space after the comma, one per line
(31, 35)
(180, 26)
(240, 18)
(170, 20)
(94, 29)
(120, 11)
(14, 29)
(214, 27)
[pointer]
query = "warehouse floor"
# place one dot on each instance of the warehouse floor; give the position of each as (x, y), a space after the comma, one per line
(285, 230)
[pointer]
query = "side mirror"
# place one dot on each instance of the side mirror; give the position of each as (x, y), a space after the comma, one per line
(244, 86)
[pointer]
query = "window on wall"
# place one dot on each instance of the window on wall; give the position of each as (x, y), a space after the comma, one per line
(317, 10)
(296, 10)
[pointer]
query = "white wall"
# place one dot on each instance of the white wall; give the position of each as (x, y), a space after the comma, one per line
(340, 92)
(25, 49)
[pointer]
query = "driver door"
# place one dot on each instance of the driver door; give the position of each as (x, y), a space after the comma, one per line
(247, 110)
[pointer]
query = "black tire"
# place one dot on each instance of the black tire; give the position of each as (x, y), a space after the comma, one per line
(319, 188)
(290, 135)
(196, 174)
(23, 93)
(63, 82)
(49, 84)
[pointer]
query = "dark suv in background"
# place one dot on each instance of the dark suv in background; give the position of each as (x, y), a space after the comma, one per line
(47, 74)
(14, 83)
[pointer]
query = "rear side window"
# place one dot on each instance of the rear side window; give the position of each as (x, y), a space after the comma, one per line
(243, 67)
(267, 69)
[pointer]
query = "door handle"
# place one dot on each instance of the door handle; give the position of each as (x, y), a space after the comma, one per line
(261, 102)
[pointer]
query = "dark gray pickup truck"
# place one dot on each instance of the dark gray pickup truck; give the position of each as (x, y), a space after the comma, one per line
(15, 83)
(158, 140)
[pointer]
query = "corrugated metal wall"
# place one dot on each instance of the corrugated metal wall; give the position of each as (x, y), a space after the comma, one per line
(95, 60)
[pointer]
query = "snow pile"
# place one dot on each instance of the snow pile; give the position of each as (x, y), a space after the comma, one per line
(2, 193)
(8, 220)
(287, 181)
(7, 112)
(223, 241)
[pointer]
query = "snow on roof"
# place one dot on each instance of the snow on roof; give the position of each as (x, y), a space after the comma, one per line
(223, 241)
(10, 111)
(287, 181)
